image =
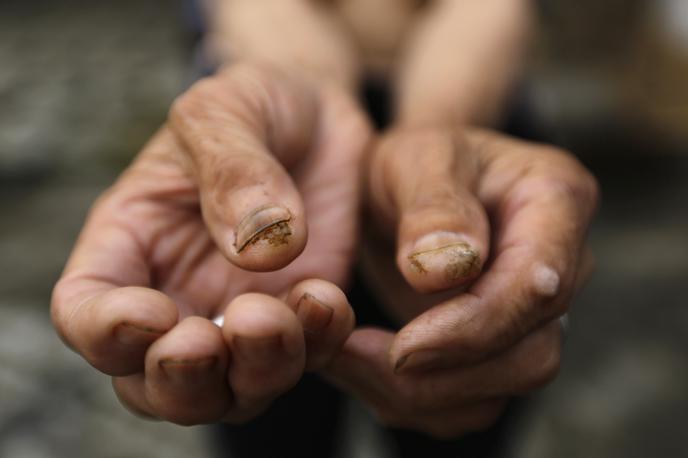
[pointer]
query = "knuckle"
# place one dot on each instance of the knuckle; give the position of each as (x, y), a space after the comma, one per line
(191, 103)
(563, 173)
(242, 84)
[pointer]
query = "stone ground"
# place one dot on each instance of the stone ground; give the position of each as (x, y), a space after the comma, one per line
(83, 84)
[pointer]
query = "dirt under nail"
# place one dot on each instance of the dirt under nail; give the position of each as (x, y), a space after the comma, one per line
(276, 234)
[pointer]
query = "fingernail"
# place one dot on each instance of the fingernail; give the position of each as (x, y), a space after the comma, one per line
(187, 370)
(263, 350)
(418, 361)
(442, 252)
(268, 223)
(132, 334)
(314, 315)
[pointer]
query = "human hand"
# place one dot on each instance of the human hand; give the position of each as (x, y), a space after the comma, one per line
(254, 167)
(449, 198)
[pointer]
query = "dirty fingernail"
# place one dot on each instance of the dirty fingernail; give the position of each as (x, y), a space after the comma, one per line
(187, 370)
(443, 252)
(261, 350)
(418, 361)
(132, 334)
(314, 315)
(268, 223)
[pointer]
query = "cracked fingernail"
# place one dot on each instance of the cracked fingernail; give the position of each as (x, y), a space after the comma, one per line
(447, 253)
(268, 223)
(132, 334)
(181, 370)
(314, 315)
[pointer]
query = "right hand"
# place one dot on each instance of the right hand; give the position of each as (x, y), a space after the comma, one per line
(250, 161)
(489, 251)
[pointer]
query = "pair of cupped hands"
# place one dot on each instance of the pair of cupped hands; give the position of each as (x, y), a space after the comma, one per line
(210, 276)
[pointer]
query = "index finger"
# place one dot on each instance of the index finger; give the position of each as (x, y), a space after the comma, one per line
(540, 201)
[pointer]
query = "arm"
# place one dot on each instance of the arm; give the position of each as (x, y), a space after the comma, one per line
(296, 34)
(462, 60)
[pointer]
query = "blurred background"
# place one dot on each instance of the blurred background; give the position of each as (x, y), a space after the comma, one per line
(84, 84)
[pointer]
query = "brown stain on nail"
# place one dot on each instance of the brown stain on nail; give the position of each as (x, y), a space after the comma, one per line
(314, 314)
(463, 265)
(464, 260)
(276, 234)
(270, 224)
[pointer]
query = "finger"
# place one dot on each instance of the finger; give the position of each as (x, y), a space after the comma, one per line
(363, 370)
(185, 380)
(529, 365)
(267, 349)
(240, 129)
(326, 317)
(401, 402)
(101, 306)
(111, 325)
(542, 215)
(131, 393)
(423, 181)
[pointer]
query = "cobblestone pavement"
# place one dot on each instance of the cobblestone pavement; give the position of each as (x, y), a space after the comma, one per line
(83, 84)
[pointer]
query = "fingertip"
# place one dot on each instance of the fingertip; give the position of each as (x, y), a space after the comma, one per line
(326, 317)
(113, 330)
(267, 347)
(185, 374)
(260, 316)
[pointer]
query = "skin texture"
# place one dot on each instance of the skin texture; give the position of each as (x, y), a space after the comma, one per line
(157, 260)
(475, 342)
(475, 242)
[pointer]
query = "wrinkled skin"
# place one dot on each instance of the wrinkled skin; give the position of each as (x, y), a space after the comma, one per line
(468, 342)
(152, 264)
(474, 242)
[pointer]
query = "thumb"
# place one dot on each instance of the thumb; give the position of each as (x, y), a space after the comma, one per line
(422, 180)
(239, 130)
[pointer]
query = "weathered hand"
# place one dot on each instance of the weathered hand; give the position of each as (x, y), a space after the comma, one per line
(451, 198)
(253, 167)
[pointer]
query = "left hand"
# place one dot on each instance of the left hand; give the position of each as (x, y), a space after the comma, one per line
(451, 197)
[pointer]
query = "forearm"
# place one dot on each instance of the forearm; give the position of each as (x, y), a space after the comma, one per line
(297, 34)
(462, 60)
